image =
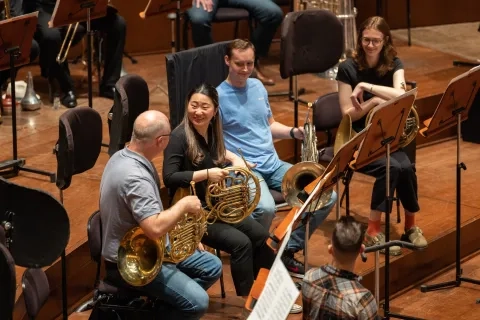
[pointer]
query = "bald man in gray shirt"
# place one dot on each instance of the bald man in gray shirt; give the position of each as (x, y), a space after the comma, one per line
(130, 197)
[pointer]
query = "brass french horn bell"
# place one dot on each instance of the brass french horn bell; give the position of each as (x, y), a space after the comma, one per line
(139, 257)
(344, 133)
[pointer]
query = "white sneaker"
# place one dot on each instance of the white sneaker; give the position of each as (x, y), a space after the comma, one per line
(296, 309)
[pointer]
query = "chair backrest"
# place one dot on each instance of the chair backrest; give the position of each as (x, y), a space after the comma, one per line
(3, 240)
(32, 242)
(327, 114)
(35, 290)
(79, 143)
(8, 284)
(188, 69)
(131, 99)
(94, 234)
(303, 51)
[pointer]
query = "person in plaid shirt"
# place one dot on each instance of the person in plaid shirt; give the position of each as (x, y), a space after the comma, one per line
(333, 291)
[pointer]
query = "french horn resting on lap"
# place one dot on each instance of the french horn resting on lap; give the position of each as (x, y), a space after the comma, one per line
(345, 131)
(230, 200)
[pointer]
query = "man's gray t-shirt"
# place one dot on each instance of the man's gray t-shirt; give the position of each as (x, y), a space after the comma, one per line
(129, 193)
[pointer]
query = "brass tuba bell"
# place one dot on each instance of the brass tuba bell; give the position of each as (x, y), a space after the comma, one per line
(303, 173)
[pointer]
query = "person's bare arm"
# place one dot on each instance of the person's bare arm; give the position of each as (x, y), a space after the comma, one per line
(346, 105)
(281, 131)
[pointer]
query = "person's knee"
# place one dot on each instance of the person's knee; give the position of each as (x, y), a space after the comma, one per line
(215, 271)
(50, 37)
(198, 17)
(274, 15)
(264, 214)
(198, 303)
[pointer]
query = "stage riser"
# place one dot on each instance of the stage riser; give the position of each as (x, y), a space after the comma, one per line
(414, 267)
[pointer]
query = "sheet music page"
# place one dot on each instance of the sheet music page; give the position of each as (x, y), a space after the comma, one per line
(280, 292)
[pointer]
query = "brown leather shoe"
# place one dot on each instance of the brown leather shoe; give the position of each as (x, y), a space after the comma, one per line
(258, 73)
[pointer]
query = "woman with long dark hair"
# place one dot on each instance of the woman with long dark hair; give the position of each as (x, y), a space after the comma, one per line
(374, 74)
(196, 152)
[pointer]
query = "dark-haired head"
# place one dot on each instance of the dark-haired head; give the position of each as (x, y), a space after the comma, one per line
(380, 43)
(347, 239)
(201, 115)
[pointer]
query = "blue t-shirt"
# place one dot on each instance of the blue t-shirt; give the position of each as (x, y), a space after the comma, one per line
(245, 113)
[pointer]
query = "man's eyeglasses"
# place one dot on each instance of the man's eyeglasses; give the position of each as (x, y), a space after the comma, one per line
(375, 41)
(163, 135)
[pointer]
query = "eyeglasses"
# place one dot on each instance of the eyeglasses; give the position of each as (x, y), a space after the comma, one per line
(375, 41)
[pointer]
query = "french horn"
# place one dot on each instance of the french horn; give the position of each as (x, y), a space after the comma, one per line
(140, 258)
(303, 173)
(345, 131)
(234, 198)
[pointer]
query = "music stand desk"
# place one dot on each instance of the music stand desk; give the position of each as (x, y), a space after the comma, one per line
(452, 110)
(383, 138)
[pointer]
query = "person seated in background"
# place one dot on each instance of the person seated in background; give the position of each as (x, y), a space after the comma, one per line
(248, 124)
(266, 12)
(130, 197)
(333, 291)
(372, 76)
(51, 39)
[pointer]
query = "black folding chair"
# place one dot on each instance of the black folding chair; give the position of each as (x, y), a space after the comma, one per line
(36, 290)
(131, 99)
(301, 50)
(77, 150)
(108, 299)
(9, 284)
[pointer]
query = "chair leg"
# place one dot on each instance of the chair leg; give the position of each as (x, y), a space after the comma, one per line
(222, 284)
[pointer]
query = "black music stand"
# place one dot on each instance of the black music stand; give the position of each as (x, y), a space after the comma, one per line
(16, 36)
(330, 177)
(452, 110)
(68, 12)
(36, 231)
(388, 121)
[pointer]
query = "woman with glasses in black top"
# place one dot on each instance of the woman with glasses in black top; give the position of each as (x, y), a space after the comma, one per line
(374, 74)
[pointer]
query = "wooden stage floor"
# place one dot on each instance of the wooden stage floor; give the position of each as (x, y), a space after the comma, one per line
(432, 70)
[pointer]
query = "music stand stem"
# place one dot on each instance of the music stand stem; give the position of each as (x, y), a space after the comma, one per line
(17, 164)
(386, 306)
(89, 54)
(458, 270)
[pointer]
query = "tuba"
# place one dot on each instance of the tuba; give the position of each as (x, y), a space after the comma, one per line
(234, 198)
(303, 173)
(140, 258)
(345, 131)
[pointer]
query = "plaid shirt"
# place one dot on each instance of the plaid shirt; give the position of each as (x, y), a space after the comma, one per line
(329, 293)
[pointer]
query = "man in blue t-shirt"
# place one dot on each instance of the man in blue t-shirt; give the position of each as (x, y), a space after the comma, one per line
(248, 124)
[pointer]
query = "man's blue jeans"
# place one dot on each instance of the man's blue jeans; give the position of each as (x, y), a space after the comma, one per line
(268, 15)
(265, 211)
(182, 287)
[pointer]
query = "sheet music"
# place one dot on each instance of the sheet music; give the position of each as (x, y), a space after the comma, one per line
(279, 293)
